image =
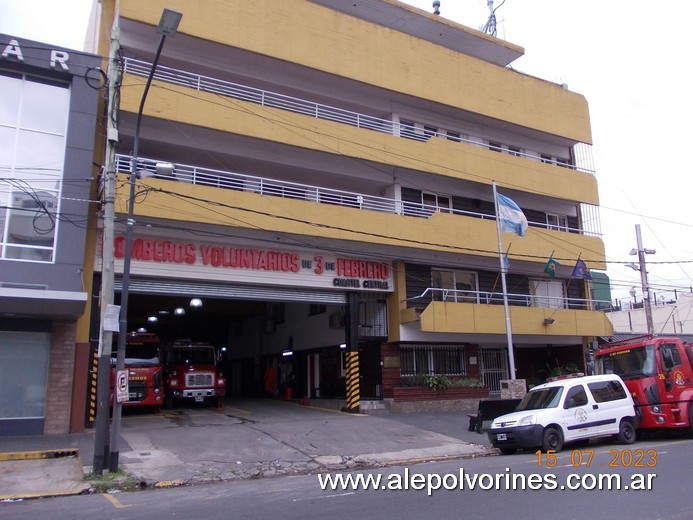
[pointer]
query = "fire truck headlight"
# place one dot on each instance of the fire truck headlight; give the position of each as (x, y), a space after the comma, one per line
(657, 409)
(660, 420)
(173, 382)
(156, 390)
(527, 420)
(221, 381)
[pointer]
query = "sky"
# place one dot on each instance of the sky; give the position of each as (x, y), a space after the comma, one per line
(624, 57)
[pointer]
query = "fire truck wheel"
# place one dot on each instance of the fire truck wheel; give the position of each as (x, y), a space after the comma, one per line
(552, 440)
(219, 402)
(626, 432)
(168, 403)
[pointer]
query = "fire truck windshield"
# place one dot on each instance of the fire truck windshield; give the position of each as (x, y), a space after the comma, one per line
(189, 355)
(632, 363)
(139, 354)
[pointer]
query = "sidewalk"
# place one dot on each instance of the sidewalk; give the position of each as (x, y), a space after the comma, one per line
(249, 438)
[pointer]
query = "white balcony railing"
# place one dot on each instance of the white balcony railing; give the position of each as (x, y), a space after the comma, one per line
(291, 190)
(317, 110)
(524, 300)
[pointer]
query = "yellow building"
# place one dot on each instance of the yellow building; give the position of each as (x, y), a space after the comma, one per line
(320, 174)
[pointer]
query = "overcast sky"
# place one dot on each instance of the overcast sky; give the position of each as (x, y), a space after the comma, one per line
(624, 57)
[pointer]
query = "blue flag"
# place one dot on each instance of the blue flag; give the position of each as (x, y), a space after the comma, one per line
(511, 217)
(580, 270)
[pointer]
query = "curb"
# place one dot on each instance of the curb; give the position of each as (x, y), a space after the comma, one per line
(38, 454)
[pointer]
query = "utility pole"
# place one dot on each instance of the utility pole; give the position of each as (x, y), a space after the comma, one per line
(643, 279)
(103, 381)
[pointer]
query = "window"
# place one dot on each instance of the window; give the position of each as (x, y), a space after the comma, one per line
(546, 159)
(430, 131)
(432, 360)
(411, 130)
(453, 136)
(515, 150)
(495, 147)
(33, 116)
(547, 293)
(604, 391)
(670, 356)
(541, 399)
(23, 372)
(464, 285)
(435, 202)
(559, 222)
(575, 397)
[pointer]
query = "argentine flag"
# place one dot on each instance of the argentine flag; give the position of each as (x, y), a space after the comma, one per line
(511, 217)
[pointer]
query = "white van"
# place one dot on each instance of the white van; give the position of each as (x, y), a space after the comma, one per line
(567, 409)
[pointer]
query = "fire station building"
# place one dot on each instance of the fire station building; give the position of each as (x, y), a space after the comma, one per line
(314, 195)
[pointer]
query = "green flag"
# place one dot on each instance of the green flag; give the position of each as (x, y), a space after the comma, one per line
(550, 268)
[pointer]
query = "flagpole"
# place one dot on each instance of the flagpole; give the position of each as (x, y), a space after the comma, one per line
(508, 325)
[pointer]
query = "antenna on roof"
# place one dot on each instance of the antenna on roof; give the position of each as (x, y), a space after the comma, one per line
(490, 27)
(436, 6)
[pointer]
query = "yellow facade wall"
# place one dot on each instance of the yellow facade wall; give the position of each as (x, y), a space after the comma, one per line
(288, 30)
(473, 318)
(440, 232)
(457, 160)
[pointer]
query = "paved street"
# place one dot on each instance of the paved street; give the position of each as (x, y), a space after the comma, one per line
(302, 497)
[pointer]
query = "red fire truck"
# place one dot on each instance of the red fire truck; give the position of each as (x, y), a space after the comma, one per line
(192, 374)
(145, 371)
(657, 371)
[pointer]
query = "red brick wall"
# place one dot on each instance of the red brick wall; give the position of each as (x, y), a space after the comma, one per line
(389, 353)
(59, 381)
(79, 387)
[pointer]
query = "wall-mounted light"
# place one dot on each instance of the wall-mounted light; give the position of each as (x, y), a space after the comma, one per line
(180, 311)
(196, 302)
(343, 346)
(164, 169)
(548, 321)
(141, 329)
(152, 319)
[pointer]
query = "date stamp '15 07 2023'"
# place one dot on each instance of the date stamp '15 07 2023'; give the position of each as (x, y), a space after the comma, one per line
(617, 459)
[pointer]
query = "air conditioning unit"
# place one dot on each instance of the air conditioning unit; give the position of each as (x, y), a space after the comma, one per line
(337, 320)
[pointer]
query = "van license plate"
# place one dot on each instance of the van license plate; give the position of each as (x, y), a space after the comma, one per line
(501, 437)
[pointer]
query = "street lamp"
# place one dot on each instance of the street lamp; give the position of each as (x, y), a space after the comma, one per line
(168, 25)
(641, 252)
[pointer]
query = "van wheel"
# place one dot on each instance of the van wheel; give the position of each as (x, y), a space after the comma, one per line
(626, 432)
(508, 451)
(552, 439)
